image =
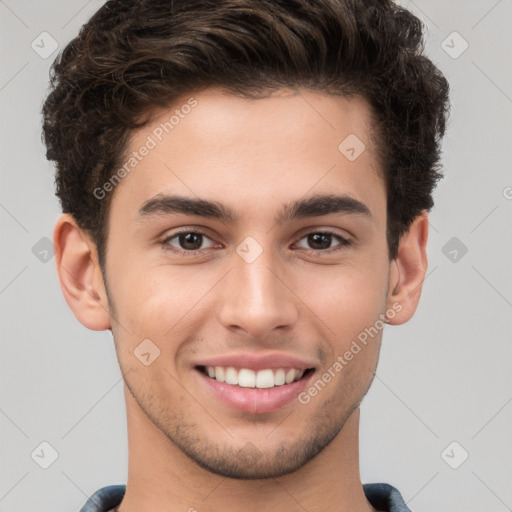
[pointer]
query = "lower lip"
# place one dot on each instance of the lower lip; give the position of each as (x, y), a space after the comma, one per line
(254, 400)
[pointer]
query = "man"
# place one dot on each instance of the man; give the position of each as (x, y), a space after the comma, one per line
(245, 187)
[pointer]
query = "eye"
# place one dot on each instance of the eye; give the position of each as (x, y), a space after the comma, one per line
(188, 241)
(321, 242)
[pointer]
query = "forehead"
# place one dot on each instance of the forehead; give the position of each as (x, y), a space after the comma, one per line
(253, 152)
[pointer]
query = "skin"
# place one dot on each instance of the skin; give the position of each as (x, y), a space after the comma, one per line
(187, 449)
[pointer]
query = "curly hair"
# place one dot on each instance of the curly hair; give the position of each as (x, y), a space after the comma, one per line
(134, 57)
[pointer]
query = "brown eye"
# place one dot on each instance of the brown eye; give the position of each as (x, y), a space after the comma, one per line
(322, 241)
(190, 241)
(186, 242)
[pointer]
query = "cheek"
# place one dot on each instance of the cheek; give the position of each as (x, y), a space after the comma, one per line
(156, 302)
(346, 299)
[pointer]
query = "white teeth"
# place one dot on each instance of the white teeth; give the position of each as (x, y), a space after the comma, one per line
(219, 373)
(231, 376)
(290, 375)
(265, 379)
(246, 378)
(279, 377)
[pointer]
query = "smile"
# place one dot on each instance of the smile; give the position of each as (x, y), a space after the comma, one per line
(247, 378)
(254, 392)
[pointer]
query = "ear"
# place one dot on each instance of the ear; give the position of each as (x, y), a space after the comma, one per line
(80, 275)
(408, 271)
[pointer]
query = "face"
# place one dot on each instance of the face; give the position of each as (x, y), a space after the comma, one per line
(245, 238)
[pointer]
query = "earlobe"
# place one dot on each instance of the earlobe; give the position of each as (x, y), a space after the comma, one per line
(80, 275)
(408, 271)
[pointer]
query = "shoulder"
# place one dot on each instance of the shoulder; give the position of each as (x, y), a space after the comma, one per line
(384, 497)
(105, 499)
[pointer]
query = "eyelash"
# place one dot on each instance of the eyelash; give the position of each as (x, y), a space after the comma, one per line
(343, 242)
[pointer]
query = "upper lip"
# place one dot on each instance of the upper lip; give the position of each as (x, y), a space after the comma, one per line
(257, 362)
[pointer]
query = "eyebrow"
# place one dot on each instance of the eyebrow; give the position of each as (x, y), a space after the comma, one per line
(314, 206)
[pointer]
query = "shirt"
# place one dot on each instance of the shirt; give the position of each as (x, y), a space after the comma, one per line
(382, 496)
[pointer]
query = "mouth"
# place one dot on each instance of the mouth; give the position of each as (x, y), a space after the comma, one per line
(253, 391)
(254, 382)
(261, 380)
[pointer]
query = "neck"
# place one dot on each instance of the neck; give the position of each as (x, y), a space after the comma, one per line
(162, 477)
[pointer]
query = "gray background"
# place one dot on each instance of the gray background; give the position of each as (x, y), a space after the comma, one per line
(443, 377)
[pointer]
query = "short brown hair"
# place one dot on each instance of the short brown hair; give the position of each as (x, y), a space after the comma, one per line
(135, 56)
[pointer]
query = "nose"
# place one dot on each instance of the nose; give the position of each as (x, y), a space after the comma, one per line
(257, 299)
